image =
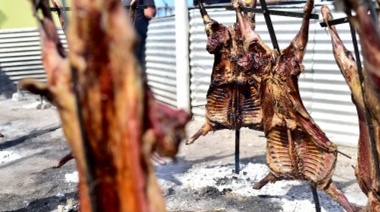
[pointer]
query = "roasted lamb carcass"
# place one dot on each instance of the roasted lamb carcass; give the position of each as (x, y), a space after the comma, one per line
(110, 118)
(364, 93)
(296, 147)
(233, 97)
(369, 33)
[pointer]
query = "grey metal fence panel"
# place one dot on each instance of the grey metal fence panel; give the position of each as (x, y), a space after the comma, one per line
(161, 59)
(20, 54)
(332, 107)
(322, 87)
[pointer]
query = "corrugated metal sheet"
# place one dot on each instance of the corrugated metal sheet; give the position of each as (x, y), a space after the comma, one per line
(332, 107)
(20, 54)
(323, 89)
(161, 59)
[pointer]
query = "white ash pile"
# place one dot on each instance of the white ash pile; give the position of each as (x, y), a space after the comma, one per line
(8, 156)
(293, 196)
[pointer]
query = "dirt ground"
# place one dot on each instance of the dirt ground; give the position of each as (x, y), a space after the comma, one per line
(202, 179)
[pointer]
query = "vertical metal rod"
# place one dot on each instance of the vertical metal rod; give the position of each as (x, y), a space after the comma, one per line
(64, 8)
(88, 157)
(268, 21)
(89, 160)
(237, 151)
(315, 198)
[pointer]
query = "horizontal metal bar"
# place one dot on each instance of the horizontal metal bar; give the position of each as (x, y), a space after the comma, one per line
(228, 7)
(286, 13)
(335, 22)
(54, 9)
(343, 20)
(259, 10)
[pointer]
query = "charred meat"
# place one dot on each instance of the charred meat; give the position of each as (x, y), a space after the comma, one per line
(296, 147)
(233, 98)
(109, 118)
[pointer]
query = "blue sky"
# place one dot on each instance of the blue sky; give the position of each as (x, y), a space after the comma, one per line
(170, 2)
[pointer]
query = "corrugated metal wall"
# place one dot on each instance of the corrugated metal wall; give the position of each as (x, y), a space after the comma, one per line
(161, 59)
(332, 107)
(20, 54)
(323, 89)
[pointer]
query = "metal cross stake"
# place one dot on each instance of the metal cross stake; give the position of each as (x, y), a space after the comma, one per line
(268, 21)
(237, 138)
(237, 151)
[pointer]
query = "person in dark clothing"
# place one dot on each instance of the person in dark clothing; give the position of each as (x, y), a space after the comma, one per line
(142, 18)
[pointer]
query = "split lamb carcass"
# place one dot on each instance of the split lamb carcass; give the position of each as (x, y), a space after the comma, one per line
(369, 33)
(296, 147)
(366, 170)
(120, 123)
(233, 96)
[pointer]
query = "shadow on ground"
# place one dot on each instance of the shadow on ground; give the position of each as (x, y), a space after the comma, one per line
(47, 203)
(7, 87)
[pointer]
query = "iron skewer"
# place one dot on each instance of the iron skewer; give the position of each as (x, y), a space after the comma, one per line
(237, 151)
(315, 197)
(64, 8)
(260, 10)
(268, 21)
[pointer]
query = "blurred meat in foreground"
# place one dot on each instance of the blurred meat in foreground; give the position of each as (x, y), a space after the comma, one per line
(109, 115)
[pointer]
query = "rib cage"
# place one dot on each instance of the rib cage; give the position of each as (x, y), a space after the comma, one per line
(232, 107)
(233, 98)
(292, 152)
(299, 159)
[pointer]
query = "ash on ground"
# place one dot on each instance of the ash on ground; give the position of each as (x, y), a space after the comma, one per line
(202, 179)
(218, 188)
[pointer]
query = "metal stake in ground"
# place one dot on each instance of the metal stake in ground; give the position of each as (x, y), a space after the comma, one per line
(237, 151)
(315, 197)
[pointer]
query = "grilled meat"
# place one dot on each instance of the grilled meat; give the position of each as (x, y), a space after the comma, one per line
(110, 118)
(364, 98)
(233, 98)
(296, 147)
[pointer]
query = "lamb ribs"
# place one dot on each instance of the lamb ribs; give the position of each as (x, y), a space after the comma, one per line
(233, 98)
(296, 147)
